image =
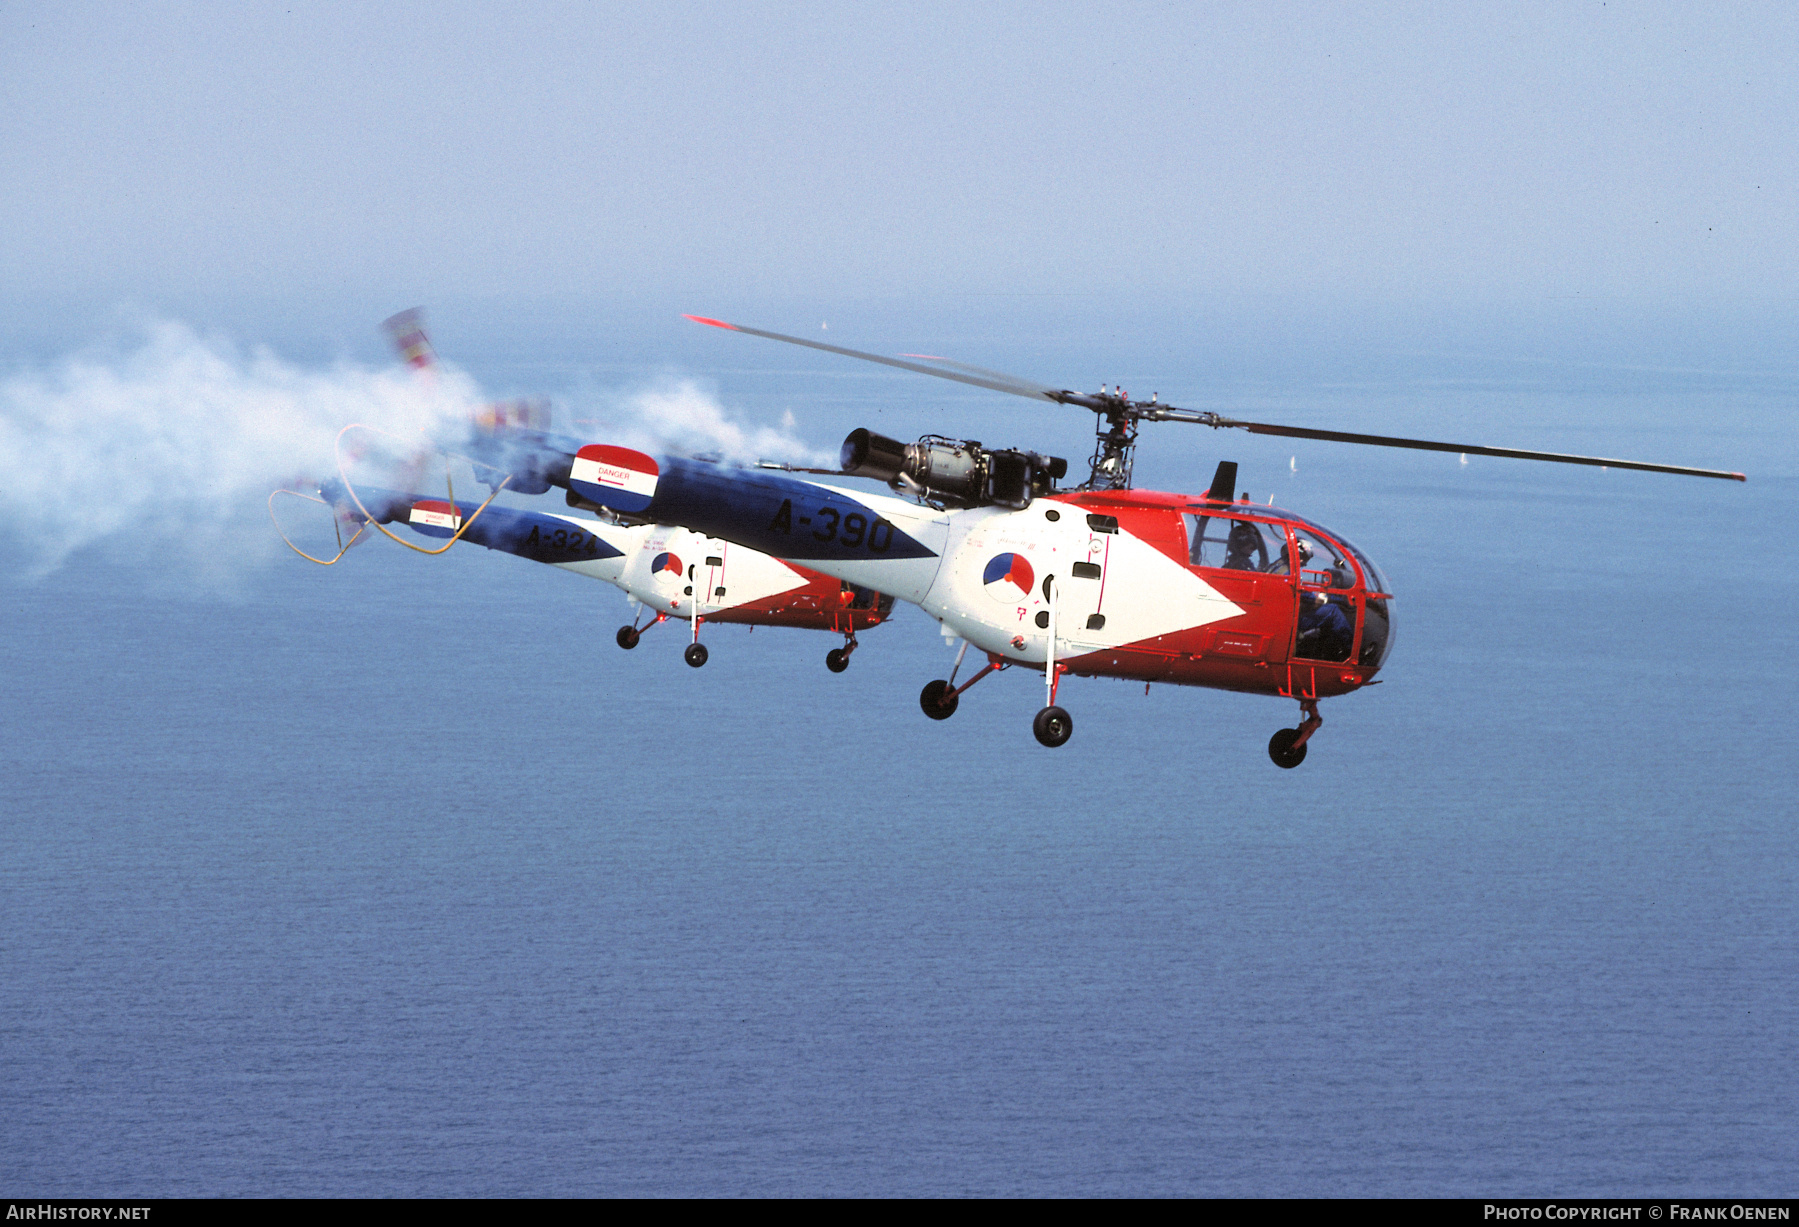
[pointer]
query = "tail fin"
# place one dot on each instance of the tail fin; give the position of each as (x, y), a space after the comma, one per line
(407, 331)
(531, 413)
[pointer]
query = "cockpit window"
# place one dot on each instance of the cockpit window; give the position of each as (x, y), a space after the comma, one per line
(1377, 612)
(1370, 573)
(1234, 544)
(1322, 564)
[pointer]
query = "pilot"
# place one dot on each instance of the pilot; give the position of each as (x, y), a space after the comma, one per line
(1240, 547)
(1281, 563)
(1325, 632)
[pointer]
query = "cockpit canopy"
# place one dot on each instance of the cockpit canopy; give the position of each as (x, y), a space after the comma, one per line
(1344, 603)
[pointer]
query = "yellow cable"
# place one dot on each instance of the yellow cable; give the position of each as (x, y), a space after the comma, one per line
(355, 498)
(342, 546)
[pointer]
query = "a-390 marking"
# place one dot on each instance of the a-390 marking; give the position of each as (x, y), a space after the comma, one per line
(852, 531)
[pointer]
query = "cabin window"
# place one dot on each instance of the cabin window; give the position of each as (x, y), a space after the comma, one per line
(857, 597)
(1235, 545)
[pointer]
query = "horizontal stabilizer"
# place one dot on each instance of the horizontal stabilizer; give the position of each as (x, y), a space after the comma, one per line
(614, 477)
(435, 518)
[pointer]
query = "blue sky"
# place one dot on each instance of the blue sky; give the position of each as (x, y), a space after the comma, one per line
(325, 160)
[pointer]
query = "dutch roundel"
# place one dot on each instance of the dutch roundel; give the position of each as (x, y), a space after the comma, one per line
(1008, 578)
(666, 567)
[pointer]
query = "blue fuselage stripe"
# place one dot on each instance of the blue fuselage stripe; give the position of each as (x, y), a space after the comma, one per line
(528, 534)
(776, 514)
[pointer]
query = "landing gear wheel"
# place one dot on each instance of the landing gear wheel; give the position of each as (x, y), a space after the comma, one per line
(695, 654)
(1053, 726)
(938, 700)
(1282, 750)
(627, 637)
(837, 660)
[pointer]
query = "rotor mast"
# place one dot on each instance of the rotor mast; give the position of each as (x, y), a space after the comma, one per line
(1115, 433)
(1114, 445)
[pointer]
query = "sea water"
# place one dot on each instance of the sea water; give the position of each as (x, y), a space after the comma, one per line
(399, 877)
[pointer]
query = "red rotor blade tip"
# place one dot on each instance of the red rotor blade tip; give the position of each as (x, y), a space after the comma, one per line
(700, 319)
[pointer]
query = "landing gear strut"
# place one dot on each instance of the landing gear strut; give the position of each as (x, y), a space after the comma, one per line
(1288, 746)
(939, 698)
(629, 635)
(838, 659)
(1052, 726)
(695, 654)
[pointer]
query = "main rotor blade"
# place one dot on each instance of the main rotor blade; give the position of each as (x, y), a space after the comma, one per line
(1017, 386)
(993, 380)
(1468, 449)
(1115, 404)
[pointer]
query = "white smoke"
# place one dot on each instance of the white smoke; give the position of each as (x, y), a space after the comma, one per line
(170, 450)
(681, 416)
(167, 453)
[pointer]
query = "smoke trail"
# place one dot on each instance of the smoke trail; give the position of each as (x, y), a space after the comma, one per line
(167, 453)
(680, 416)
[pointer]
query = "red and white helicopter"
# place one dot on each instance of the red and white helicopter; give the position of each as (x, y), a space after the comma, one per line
(670, 571)
(1098, 581)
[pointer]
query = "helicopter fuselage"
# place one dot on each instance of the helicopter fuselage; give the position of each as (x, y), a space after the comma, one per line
(1133, 584)
(673, 571)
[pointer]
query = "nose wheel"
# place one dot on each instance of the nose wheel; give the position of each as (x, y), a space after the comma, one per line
(1053, 726)
(1287, 748)
(838, 659)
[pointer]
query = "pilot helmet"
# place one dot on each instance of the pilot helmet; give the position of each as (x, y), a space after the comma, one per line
(1305, 550)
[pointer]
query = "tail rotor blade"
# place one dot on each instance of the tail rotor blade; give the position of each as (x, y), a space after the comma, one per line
(407, 332)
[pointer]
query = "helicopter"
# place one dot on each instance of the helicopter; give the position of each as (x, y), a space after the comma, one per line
(668, 570)
(1101, 580)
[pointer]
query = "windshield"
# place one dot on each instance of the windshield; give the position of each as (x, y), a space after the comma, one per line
(1370, 573)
